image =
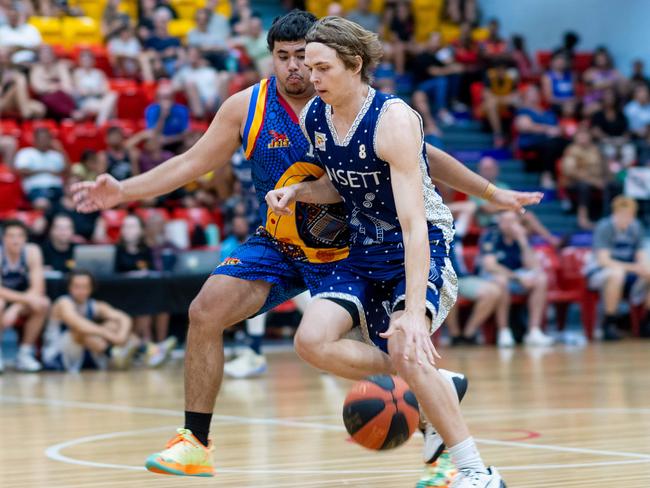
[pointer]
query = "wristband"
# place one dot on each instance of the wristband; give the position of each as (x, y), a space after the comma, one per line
(490, 189)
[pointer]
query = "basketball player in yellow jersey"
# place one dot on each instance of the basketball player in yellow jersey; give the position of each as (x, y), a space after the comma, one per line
(297, 254)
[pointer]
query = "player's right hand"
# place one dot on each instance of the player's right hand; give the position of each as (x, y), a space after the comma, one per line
(91, 196)
(279, 200)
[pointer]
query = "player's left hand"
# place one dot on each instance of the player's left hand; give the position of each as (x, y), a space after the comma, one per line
(417, 340)
(279, 200)
(515, 200)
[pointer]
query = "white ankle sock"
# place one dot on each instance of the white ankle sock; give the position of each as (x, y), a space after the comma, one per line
(465, 455)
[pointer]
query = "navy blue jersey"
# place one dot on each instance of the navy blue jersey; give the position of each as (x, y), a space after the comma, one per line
(363, 180)
(508, 255)
(14, 276)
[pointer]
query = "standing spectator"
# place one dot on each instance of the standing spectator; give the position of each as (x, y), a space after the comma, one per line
(168, 118)
(363, 16)
(437, 78)
(558, 84)
(585, 176)
(58, 248)
(637, 111)
(125, 55)
(213, 43)
(619, 267)
(162, 48)
(94, 96)
(609, 128)
(539, 132)
(500, 98)
(201, 83)
(23, 39)
(14, 91)
(42, 168)
(79, 323)
(22, 291)
(505, 252)
(50, 80)
(599, 77)
(118, 157)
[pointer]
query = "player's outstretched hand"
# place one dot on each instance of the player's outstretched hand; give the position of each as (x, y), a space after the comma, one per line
(279, 200)
(91, 196)
(515, 200)
(417, 344)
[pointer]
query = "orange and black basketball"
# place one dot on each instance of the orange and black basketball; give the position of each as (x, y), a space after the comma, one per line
(381, 412)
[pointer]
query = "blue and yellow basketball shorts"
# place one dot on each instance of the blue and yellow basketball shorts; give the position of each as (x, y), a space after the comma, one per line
(259, 258)
(371, 301)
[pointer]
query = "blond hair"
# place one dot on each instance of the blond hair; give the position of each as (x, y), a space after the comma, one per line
(624, 203)
(349, 40)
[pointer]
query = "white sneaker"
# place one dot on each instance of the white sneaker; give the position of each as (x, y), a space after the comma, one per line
(537, 338)
(469, 478)
(159, 354)
(505, 338)
(248, 364)
(122, 356)
(433, 443)
(27, 363)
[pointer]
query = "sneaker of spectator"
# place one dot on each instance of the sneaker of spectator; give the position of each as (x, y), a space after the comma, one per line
(14, 91)
(20, 37)
(50, 80)
(162, 49)
(42, 168)
(201, 83)
(637, 112)
(168, 118)
(91, 88)
(366, 18)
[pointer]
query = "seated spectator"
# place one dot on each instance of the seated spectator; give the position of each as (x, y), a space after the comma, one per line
(8, 145)
(118, 157)
(363, 16)
(487, 213)
(599, 77)
(20, 37)
(467, 52)
(539, 132)
(401, 24)
(238, 234)
(146, 11)
(87, 226)
(437, 79)
(79, 323)
(500, 97)
(94, 97)
(218, 25)
(495, 49)
(113, 21)
(58, 248)
(558, 83)
(201, 83)
(461, 11)
(213, 43)
(50, 80)
(22, 292)
(637, 112)
(619, 268)
(242, 13)
(125, 55)
(42, 168)
(89, 167)
(152, 153)
(638, 74)
(488, 297)
(162, 48)
(168, 118)
(585, 177)
(522, 60)
(609, 129)
(164, 253)
(505, 252)
(14, 91)
(254, 41)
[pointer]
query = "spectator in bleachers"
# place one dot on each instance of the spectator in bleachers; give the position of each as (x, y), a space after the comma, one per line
(495, 49)
(242, 13)
(87, 226)
(500, 98)
(401, 24)
(467, 52)
(113, 21)
(152, 153)
(58, 248)
(585, 177)
(14, 91)
(609, 129)
(94, 97)
(539, 132)
(118, 157)
(218, 24)
(8, 146)
(22, 292)
(212, 42)
(201, 83)
(637, 112)
(168, 118)
(558, 83)
(619, 267)
(239, 230)
(254, 41)
(366, 18)
(522, 60)
(639, 76)
(50, 80)
(20, 37)
(55, 8)
(79, 323)
(461, 11)
(125, 55)
(437, 78)
(599, 77)
(89, 167)
(162, 49)
(146, 10)
(570, 41)
(163, 252)
(42, 168)
(505, 251)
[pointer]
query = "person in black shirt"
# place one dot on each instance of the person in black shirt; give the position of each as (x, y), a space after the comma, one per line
(58, 248)
(609, 127)
(132, 252)
(85, 225)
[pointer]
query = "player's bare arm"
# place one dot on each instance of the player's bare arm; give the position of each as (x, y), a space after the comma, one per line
(399, 143)
(316, 191)
(211, 152)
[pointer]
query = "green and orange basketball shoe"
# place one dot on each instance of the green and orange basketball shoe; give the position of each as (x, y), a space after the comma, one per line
(184, 455)
(439, 474)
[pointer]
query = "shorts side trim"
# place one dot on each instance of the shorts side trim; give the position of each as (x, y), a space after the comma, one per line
(362, 314)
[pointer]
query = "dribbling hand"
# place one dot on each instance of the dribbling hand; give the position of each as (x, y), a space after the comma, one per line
(417, 340)
(91, 196)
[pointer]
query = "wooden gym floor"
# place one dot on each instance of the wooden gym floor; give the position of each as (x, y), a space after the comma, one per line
(562, 418)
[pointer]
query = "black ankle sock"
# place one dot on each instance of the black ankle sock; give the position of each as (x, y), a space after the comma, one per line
(256, 343)
(108, 350)
(611, 320)
(199, 424)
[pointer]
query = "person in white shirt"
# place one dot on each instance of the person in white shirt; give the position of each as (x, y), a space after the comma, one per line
(125, 53)
(637, 111)
(202, 84)
(41, 168)
(20, 36)
(92, 91)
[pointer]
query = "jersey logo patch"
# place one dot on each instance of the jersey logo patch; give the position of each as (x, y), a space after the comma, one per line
(230, 262)
(320, 140)
(278, 140)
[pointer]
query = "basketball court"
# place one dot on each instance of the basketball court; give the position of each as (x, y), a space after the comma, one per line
(558, 418)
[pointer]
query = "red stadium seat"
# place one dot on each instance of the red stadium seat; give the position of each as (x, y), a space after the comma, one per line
(194, 216)
(11, 191)
(146, 212)
(544, 59)
(78, 137)
(131, 99)
(571, 277)
(113, 219)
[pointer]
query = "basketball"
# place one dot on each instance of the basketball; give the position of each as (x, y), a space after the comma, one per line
(381, 412)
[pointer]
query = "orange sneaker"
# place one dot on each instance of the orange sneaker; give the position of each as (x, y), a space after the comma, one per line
(184, 455)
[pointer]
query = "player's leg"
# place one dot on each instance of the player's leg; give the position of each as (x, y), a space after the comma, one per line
(36, 316)
(250, 361)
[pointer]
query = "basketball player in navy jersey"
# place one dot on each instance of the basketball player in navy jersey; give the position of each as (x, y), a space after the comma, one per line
(397, 284)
